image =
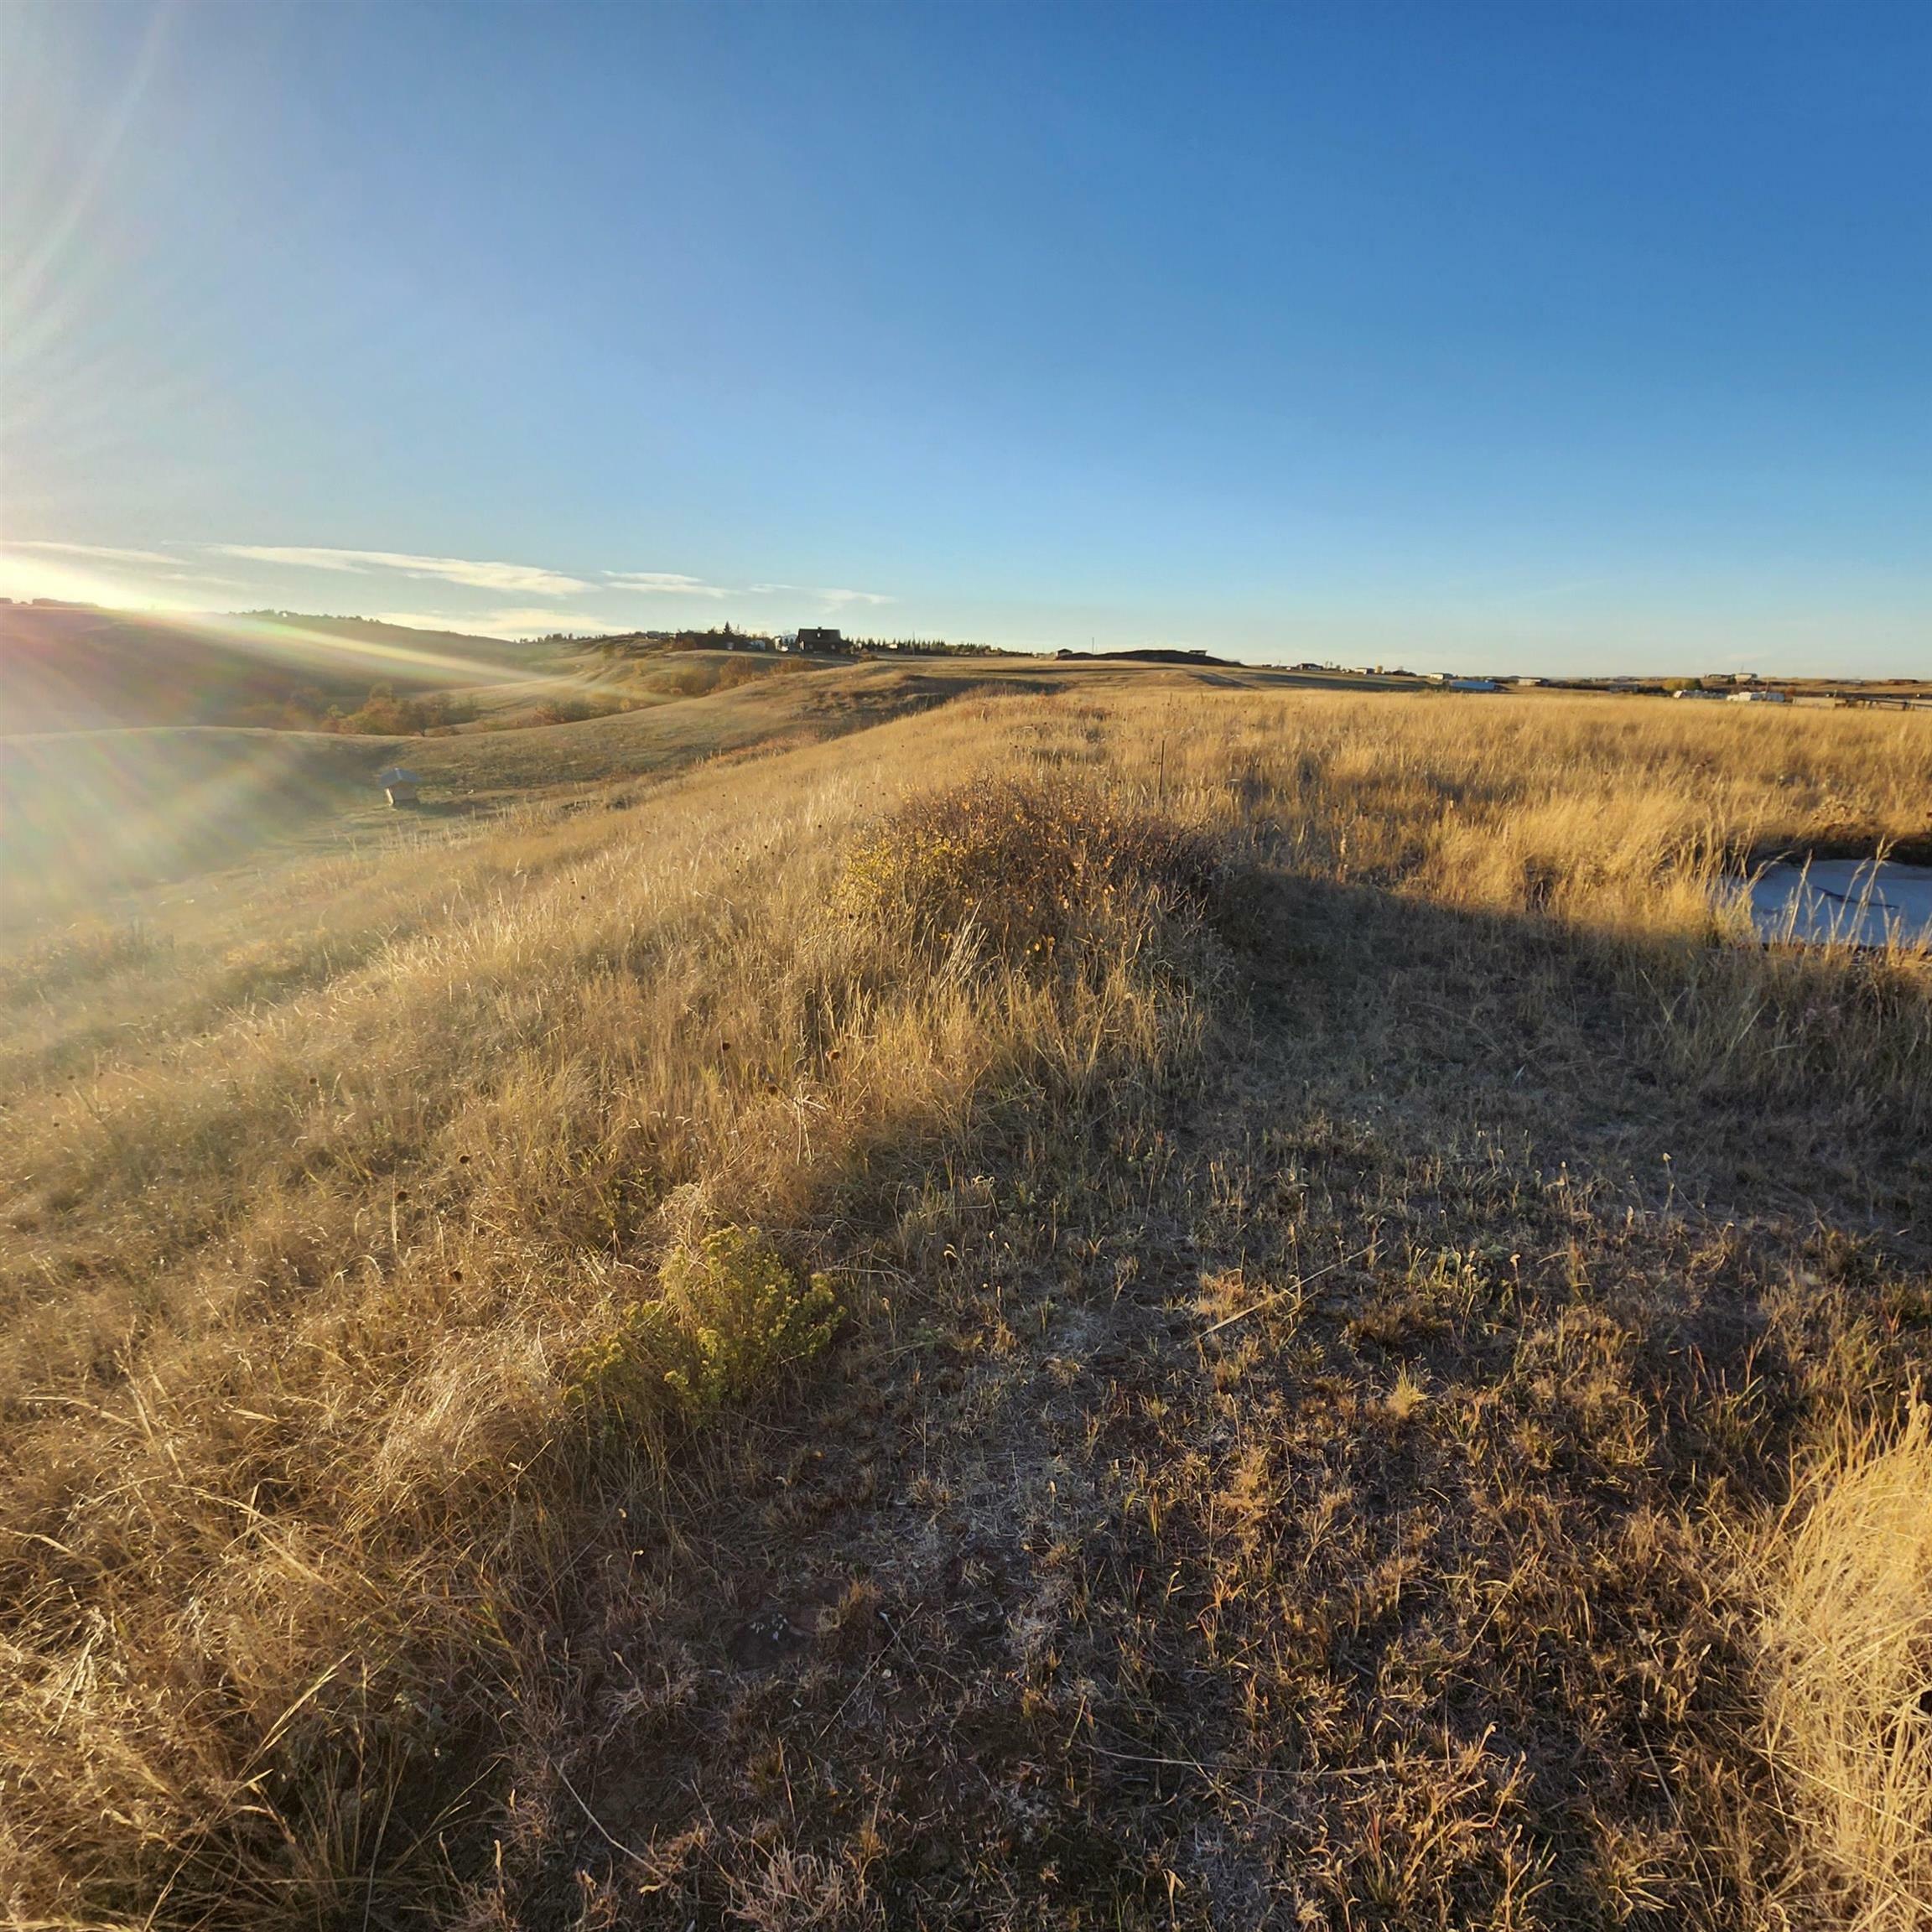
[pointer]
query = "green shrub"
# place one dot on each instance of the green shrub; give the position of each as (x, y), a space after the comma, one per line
(733, 1319)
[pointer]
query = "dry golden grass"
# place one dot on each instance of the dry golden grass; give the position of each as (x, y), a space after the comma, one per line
(371, 1547)
(1026, 868)
(1848, 1641)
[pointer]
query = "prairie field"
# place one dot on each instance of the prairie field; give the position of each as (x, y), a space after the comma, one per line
(1152, 1303)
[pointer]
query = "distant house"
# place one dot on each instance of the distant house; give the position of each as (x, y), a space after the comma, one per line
(819, 640)
(398, 785)
(1760, 698)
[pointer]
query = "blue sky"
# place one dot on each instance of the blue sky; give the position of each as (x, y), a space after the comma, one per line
(1560, 337)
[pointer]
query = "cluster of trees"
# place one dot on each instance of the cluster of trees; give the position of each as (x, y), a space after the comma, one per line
(381, 714)
(921, 646)
(574, 710)
(728, 637)
(723, 638)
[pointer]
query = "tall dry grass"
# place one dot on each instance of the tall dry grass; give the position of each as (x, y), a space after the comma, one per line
(298, 1306)
(1624, 820)
(1847, 1577)
(327, 1221)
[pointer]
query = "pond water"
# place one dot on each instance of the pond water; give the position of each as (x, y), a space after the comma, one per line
(1855, 901)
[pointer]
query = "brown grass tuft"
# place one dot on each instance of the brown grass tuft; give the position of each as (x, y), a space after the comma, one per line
(1029, 866)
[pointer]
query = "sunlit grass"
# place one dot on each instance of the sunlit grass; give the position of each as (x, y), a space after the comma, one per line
(335, 1208)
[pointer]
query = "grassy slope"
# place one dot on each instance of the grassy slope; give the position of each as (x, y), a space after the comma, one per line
(67, 669)
(90, 813)
(1313, 1387)
(111, 812)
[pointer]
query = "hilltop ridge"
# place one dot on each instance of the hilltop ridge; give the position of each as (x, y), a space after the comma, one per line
(67, 666)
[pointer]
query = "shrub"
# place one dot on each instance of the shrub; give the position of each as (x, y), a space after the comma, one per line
(383, 714)
(733, 1319)
(576, 711)
(1029, 864)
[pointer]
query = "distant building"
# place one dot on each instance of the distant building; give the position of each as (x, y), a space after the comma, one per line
(1760, 698)
(398, 785)
(820, 640)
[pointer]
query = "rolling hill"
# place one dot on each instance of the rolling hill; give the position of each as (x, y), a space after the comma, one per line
(1121, 1301)
(111, 810)
(65, 667)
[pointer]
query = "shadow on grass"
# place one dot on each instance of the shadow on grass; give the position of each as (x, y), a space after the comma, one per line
(1316, 1501)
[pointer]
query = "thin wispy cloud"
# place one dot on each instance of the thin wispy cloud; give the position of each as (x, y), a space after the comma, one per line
(823, 594)
(527, 579)
(665, 583)
(675, 584)
(104, 553)
(176, 564)
(540, 622)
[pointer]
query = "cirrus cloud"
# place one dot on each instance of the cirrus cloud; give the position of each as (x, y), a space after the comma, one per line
(823, 594)
(527, 579)
(177, 563)
(542, 622)
(665, 583)
(676, 583)
(106, 552)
